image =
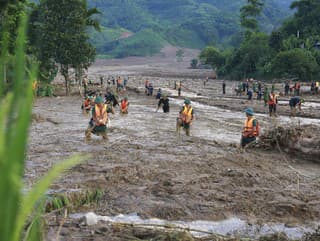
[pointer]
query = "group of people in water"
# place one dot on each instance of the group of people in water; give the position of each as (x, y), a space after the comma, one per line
(101, 106)
(251, 87)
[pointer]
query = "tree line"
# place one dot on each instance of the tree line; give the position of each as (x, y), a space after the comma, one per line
(292, 51)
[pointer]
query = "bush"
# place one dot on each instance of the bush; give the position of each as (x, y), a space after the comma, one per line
(295, 63)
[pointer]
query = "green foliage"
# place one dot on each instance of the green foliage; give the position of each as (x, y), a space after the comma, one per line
(10, 13)
(183, 23)
(15, 116)
(295, 63)
(250, 59)
(60, 36)
(212, 56)
(143, 43)
(306, 18)
(289, 52)
(73, 201)
(248, 14)
(45, 90)
(275, 41)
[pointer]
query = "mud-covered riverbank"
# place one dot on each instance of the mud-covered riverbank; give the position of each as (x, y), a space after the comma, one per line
(145, 168)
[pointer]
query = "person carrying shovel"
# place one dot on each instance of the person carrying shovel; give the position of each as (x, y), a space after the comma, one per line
(98, 122)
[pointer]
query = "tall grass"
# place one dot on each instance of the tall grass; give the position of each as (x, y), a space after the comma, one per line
(16, 207)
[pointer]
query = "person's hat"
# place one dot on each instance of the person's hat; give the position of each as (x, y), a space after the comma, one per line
(126, 97)
(98, 100)
(302, 100)
(187, 101)
(249, 111)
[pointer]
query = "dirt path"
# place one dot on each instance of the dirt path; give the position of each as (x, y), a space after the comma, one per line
(145, 168)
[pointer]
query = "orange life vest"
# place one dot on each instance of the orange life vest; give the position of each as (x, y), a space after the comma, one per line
(272, 99)
(124, 104)
(248, 127)
(101, 114)
(87, 103)
(186, 114)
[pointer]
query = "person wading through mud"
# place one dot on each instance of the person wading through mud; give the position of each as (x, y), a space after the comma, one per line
(119, 85)
(87, 104)
(179, 89)
(124, 105)
(250, 129)
(111, 98)
(85, 85)
(186, 116)
(272, 102)
(164, 101)
(266, 95)
(295, 102)
(98, 122)
(223, 87)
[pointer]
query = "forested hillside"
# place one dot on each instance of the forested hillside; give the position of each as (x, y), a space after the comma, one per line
(143, 27)
(289, 52)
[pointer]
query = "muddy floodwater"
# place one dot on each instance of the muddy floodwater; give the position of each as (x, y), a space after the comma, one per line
(145, 169)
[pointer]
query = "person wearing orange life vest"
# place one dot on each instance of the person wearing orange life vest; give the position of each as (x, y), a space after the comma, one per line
(87, 104)
(186, 116)
(250, 129)
(124, 106)
(272, 102)
(98, 122)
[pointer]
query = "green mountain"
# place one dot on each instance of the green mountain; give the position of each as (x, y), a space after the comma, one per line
(143, 27)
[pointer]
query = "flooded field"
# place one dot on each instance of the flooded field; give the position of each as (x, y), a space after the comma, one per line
(147, 171)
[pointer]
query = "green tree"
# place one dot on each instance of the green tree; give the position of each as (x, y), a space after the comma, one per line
(307, 16)
(250, 58)
(275, 40)
(62, 39)
(213, 56)
(249, 14)
(295, 63)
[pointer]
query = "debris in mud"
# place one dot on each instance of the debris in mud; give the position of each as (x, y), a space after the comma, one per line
(293, 140)
(38, 118)
(275, 237)
(228, 229)
(314, 236)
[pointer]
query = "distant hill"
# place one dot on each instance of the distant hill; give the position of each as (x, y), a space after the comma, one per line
(143, 27)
